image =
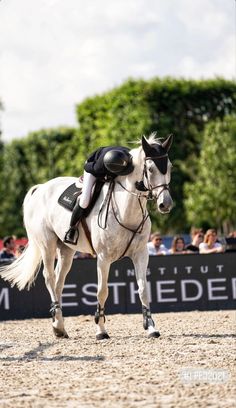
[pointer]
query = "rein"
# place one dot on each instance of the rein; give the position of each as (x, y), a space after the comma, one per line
(140, 186)
(106, 203)
(110, 200)
(140, 226)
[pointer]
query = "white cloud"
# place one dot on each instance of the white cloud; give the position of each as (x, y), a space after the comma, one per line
(55, 53)
(223, 63)
(206, 18)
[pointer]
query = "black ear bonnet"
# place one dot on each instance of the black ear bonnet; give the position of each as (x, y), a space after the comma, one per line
(158, 153)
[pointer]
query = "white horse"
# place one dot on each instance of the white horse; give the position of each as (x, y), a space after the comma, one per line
(125, 231)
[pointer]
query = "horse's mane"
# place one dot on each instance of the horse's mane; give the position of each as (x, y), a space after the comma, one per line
(152, 139)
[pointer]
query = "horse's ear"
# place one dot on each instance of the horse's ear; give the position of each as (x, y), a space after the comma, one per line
(167, 143)
(145, 145)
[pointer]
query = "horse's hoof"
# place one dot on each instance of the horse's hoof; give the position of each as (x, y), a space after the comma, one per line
(60, 333)
(102, 336)
(154, 335)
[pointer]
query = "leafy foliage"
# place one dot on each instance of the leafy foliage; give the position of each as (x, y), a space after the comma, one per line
(211, 198)
(118, 117)
(25, 162)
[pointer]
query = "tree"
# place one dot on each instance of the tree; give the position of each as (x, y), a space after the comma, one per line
(32, 160)
(210, 200)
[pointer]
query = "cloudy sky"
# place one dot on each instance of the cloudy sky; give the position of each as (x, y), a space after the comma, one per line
(54, 53)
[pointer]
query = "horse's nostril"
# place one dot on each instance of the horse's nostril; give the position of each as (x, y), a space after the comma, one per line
(164, 209)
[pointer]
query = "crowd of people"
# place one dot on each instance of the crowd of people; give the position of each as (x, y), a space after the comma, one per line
(203, 243)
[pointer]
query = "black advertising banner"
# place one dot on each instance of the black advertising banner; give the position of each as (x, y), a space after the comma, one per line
(175, 283)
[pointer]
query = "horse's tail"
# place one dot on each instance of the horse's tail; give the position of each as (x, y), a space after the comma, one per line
(23, 271)
(27, 201)
(30, 193)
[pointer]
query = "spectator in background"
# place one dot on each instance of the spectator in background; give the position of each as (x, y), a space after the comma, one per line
(230, 242)
(210, 244)
(197, 236)
(178, 246)
(155, 246)
(8, 251)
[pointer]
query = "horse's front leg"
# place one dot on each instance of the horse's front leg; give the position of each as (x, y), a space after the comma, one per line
(102, 293)
(140, 261)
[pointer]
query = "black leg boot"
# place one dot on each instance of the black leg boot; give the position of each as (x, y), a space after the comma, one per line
(72, 234)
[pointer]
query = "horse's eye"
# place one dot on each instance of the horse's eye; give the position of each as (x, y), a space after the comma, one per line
(150, 169)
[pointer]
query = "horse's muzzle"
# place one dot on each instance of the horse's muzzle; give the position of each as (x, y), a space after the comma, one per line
(164, 202)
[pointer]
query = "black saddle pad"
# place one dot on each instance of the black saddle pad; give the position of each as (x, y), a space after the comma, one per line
(68, 198)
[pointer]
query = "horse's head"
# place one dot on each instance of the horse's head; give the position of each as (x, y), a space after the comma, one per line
(157, 171)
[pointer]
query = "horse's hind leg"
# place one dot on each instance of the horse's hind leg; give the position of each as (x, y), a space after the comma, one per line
(64, 262)
(102, 293)
(48, 251)
(140, 261)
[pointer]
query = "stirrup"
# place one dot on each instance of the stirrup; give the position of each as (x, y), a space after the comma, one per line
(72, 236)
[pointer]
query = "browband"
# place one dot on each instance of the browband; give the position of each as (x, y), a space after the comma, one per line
(156, 157)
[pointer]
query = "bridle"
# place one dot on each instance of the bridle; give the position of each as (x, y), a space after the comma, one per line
(140, 185)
